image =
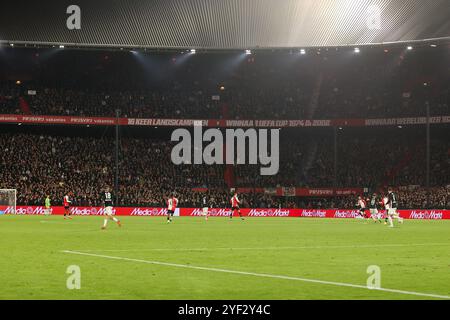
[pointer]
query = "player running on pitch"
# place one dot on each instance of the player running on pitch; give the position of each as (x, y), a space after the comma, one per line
(391, 208)
(205, 209)
(48, 206)
(383, 203)
(108, 203)
(235, 206)
(67, 202)
(374, 204)
(171, 206)
(362, 207)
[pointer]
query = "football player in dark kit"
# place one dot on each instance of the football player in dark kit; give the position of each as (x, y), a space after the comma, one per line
(108, 203)
(391, 208)
(374, 205)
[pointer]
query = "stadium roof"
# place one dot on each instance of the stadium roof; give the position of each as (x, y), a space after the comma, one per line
(225, 24)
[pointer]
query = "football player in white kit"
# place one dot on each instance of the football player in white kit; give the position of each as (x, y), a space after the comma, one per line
(108, 203)
(205, 208)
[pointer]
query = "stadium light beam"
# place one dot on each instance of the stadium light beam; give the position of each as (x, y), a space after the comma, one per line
(248, 51)
(302, 51)
(356, 50)
(409, 48)
(193, 51)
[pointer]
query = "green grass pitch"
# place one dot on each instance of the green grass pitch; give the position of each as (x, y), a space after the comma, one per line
(413, 257)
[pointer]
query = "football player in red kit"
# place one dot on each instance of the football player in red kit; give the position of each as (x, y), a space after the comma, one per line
(171, 206)
(235, 206)
(67, 202)
(362, 207)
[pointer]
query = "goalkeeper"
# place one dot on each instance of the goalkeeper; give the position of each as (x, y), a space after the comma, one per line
(48, 206)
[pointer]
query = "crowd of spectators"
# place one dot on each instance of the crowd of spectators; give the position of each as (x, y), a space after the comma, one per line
(267, 86)
(325, 84)
(138, 104)
(417, 197)
(9, 98)
(39, 164)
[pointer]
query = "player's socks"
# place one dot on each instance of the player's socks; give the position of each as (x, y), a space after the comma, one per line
(116, 221)
(391, 223)
(105, 222)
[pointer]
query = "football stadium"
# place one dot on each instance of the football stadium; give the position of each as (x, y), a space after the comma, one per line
(225, 150)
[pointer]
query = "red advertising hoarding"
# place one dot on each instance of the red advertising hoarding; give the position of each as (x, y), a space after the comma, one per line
(436, 214)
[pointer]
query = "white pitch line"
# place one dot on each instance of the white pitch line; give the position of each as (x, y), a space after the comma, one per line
(264, 275)
(273, 248)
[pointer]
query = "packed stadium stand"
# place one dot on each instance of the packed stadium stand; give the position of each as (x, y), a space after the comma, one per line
(323, 84)
(279, 85)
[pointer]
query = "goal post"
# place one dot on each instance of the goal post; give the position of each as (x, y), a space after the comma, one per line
(8, 198)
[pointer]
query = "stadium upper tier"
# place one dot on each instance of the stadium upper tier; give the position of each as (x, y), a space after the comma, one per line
(327, 84)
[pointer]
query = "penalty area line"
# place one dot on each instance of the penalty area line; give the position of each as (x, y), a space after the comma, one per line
(263, 275)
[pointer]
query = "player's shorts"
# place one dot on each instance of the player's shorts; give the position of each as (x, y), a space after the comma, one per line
(109, 211)
(205, 211)
(66, 207)
(391, 211)
(235, 208)
(373, 211)
(170, 212)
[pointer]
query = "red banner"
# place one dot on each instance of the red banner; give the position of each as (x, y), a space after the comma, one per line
(59, 120)
(221, 212)
(109, 121)
(326, 192)
(299, 192)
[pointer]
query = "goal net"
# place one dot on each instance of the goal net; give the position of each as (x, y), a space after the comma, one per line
(8, 199)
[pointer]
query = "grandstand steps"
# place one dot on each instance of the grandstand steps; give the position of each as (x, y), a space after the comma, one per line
(24, 106)
(310, 157)
(401, 164)
(314, 102)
